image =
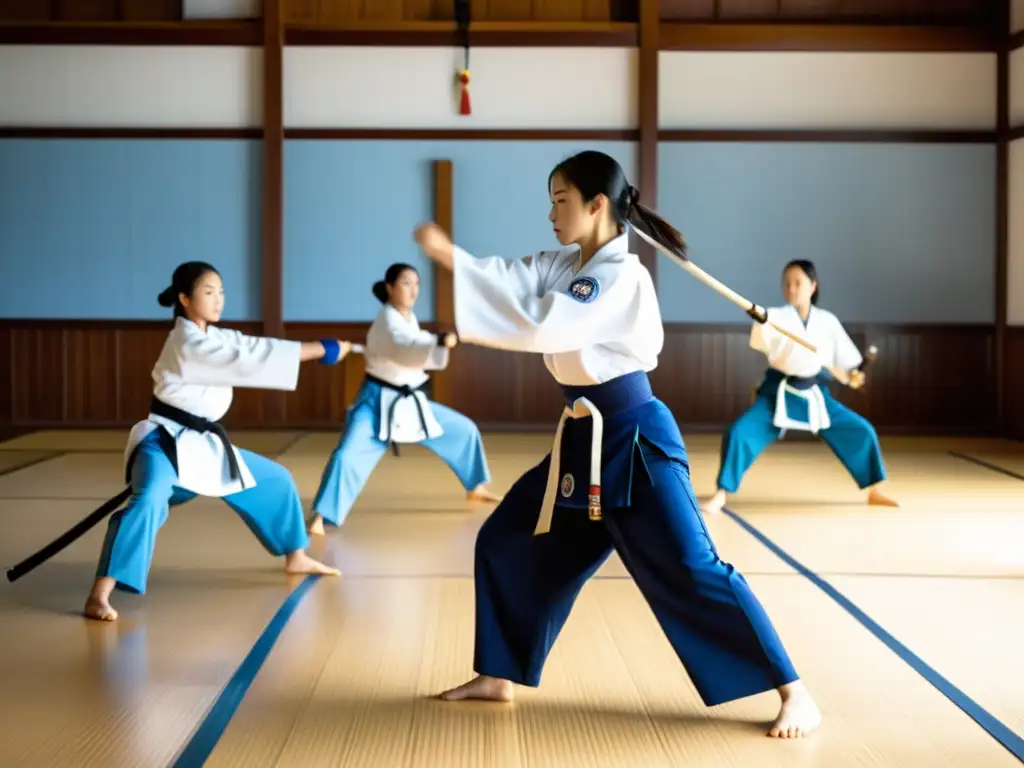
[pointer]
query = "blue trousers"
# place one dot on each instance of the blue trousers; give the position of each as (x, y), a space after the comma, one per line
(851, 437)
(526, 585)
(360, 449)
(272, 510)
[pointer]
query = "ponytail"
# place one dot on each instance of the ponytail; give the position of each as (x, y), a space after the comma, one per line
(380, 291)
(595, 173)
(651, 224)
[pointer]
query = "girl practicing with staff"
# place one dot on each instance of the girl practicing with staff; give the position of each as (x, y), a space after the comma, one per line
(390, 408)
(181, 451)
(618, 480)
(794, 393)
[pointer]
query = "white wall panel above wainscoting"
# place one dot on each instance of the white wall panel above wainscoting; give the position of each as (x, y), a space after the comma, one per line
(827, 90)
(396, 87)
(128, 86)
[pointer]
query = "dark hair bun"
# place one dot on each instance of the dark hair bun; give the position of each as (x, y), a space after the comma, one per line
(380, 291)
(168, 297)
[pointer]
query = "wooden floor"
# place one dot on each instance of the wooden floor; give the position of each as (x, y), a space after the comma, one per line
(349, 665)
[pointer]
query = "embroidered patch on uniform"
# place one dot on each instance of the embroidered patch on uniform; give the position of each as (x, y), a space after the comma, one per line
(584, 289)
(568, 485)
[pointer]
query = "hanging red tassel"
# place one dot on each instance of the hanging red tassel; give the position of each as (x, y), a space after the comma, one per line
(464, 105)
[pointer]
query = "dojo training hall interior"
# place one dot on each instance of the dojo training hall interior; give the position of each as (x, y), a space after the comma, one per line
(295, 145)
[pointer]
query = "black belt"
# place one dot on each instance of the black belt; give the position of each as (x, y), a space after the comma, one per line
(160, 408)
(403, 391)
(199, 424)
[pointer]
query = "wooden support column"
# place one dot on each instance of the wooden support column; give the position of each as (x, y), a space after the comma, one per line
(444, 297)
(1002, 222)
(273, 187)
(647, 85)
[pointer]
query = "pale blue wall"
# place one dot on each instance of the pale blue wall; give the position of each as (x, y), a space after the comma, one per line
(899, 233)
(93, 228)
(351, 206)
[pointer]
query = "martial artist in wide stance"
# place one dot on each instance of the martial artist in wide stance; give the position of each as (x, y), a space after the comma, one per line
(794, 394)
(180, 450)
(391, 408)
(618, 475)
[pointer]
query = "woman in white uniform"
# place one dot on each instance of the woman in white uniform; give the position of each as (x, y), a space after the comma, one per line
(391, 408)
(181, 451)
(617, 477)
(794, 394)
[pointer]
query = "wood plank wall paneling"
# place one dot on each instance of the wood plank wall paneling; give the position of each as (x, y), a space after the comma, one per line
(848, 11)
(324, 392)
(1013, 382)
(969, 12)
(444, 287)
(91, 10)
(398, 11)
(928, 379)
(6, 380)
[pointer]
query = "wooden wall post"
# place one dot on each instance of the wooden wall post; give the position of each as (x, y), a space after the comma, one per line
(272, 271)
(1002, 222)
(647, 90)
(444, 304)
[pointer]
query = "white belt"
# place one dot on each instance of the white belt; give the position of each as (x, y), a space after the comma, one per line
(817, 412)
(581, 408)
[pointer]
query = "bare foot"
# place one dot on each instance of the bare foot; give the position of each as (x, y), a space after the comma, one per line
(482, 687)
(799, 714)
(300, 562)
(97, 606)
(877, 499)
(714, 505)
(99, 609)
(480, 493)
(316, 526)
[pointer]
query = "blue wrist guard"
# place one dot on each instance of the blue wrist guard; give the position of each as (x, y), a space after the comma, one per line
(332, 353)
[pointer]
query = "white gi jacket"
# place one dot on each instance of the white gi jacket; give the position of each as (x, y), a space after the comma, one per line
(196, 372)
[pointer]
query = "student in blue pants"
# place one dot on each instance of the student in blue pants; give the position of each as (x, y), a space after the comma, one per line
(181, 451)
(391, 408)
(794, 394)
(617, 477)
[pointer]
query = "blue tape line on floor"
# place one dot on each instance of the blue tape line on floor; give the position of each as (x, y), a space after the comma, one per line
(209, 732)
(997, 729)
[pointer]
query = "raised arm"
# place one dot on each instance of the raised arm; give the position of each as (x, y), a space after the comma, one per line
(500, 303)
(497, 305)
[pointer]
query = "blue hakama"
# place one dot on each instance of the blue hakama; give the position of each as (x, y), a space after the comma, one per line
(360, 449)
(272, 510)
(526, 583)
(850, 436)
